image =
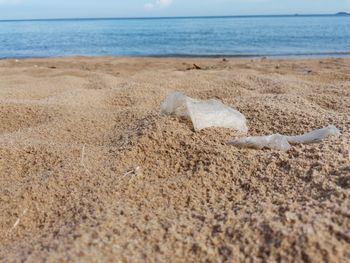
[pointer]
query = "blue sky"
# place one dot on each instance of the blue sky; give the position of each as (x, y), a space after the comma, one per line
(27, 9)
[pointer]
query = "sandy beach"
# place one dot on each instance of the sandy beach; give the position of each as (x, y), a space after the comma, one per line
(91, 171)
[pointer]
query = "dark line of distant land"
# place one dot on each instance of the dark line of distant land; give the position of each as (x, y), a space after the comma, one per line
(173, 17)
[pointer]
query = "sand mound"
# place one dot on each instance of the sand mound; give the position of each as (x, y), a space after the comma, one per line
(93, 171)
(16, 117)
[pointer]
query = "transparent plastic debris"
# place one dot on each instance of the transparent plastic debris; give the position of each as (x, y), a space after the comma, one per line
(283, 143)
(175, 104)
(315, 136)
(204, 114)
(275, 142)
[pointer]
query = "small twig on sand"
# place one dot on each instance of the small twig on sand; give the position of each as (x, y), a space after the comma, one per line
(128, 173)
(135, 171)
(18, 220)
(196, 67)
(82, 156)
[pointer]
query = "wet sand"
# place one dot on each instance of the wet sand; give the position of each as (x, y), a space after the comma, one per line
(91, 171)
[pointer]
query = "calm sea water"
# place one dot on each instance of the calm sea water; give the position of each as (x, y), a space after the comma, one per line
(230, 36)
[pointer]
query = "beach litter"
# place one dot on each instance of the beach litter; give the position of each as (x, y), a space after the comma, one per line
(275, 142)
(282, 142)
(213, 113)
(204, 114)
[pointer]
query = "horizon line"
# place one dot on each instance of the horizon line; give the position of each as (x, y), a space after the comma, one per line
(170, 17)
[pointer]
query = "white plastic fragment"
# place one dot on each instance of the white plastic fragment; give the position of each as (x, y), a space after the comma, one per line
(282, 143)
(276, 142)
(175, 104)
(315, 136)
(204, 114)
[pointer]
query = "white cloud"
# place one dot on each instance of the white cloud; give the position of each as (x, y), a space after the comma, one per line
(164, 3)
(158, 4)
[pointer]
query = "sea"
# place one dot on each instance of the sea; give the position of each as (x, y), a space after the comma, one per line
(237, 36)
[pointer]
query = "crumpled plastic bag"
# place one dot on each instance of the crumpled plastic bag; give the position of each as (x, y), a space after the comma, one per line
(204, 114)
(282, 143)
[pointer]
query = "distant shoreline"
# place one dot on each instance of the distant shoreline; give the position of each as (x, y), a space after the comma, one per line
(342, 14)
(174, 17)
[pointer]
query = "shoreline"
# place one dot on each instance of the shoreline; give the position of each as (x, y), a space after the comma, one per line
(330, 55)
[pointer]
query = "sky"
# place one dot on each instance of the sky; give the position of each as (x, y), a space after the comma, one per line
(38, 9)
